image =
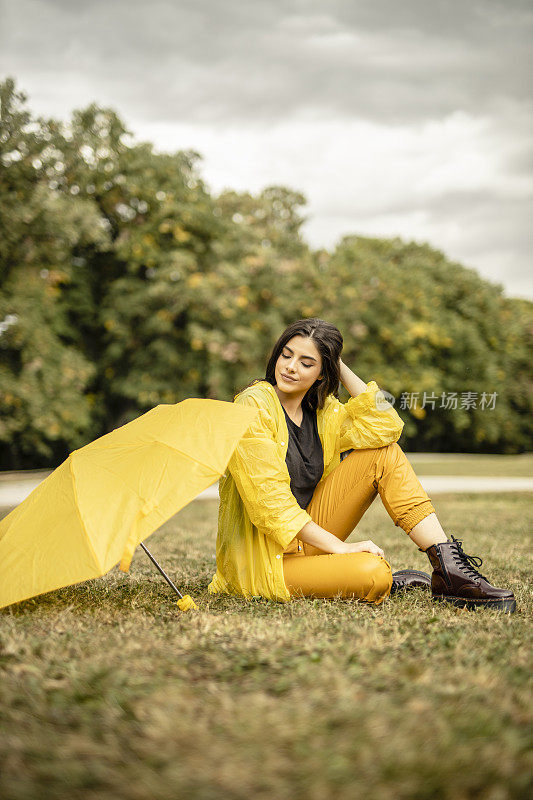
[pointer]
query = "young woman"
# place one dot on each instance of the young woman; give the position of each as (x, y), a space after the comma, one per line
(288, 501)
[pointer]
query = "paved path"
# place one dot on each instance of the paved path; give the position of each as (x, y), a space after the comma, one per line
(14, 490)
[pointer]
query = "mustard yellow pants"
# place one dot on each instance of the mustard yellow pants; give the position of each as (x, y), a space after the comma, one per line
(337, 505)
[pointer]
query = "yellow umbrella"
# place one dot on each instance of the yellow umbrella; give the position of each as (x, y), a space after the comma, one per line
(106, 497)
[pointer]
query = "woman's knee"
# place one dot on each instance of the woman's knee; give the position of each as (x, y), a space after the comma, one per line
(394, 450)
(375, 575)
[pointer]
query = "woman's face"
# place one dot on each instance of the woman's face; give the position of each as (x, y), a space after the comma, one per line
(300, 361)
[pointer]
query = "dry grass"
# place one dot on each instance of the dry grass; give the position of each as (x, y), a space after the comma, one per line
(108, 691)
(496, 466)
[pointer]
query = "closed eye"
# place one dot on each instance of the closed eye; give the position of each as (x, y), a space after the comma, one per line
(283, 355)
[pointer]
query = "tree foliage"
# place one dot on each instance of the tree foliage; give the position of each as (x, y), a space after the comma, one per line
(422, 324)
(45, 403)
(125, 283)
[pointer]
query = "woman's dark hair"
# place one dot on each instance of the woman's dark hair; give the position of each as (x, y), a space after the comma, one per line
(329, 342)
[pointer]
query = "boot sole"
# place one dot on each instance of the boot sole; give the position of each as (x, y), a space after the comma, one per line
(507, 604)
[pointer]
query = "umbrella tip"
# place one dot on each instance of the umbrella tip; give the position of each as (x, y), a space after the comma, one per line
(186, 603)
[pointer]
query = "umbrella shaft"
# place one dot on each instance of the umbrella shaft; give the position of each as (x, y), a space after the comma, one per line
(161, 570)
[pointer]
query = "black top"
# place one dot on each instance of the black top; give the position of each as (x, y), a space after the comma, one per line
(305, 457)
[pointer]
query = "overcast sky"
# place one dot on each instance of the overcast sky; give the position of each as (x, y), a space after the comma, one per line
(409, 119)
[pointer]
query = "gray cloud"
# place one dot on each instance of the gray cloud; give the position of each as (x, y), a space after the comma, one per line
(208, 61)
(234, 71)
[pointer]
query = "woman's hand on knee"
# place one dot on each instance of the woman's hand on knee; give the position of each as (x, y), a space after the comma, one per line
(367, 546)
(313, 534)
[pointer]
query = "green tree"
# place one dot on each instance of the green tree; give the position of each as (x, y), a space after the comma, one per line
(44, 410)
(162, 226)
(417, 323)
(124, 283)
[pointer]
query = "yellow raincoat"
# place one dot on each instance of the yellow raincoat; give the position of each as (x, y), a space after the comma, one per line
(258, 514)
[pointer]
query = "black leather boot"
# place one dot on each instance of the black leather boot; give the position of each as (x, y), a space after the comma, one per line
(456, 580)
(409, 579)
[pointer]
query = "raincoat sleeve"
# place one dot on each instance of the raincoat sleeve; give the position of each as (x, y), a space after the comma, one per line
(260, 473)
(368, 420)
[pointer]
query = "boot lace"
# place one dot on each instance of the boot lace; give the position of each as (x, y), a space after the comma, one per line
(468, 563)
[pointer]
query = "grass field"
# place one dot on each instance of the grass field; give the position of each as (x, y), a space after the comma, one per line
(108, 691)
(495, 466)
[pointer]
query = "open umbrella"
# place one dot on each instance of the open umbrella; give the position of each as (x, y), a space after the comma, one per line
(106, 497)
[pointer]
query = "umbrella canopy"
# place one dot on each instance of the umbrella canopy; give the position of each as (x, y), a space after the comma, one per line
(106, 497)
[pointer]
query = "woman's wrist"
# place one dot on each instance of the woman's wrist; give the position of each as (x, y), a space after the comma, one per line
(353, 384)
(313, 534)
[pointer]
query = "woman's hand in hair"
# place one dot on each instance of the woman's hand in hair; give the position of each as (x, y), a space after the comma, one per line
(350, 381)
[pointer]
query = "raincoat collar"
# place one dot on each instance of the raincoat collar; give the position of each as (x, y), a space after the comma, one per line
(266, 389)
(325, 420)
